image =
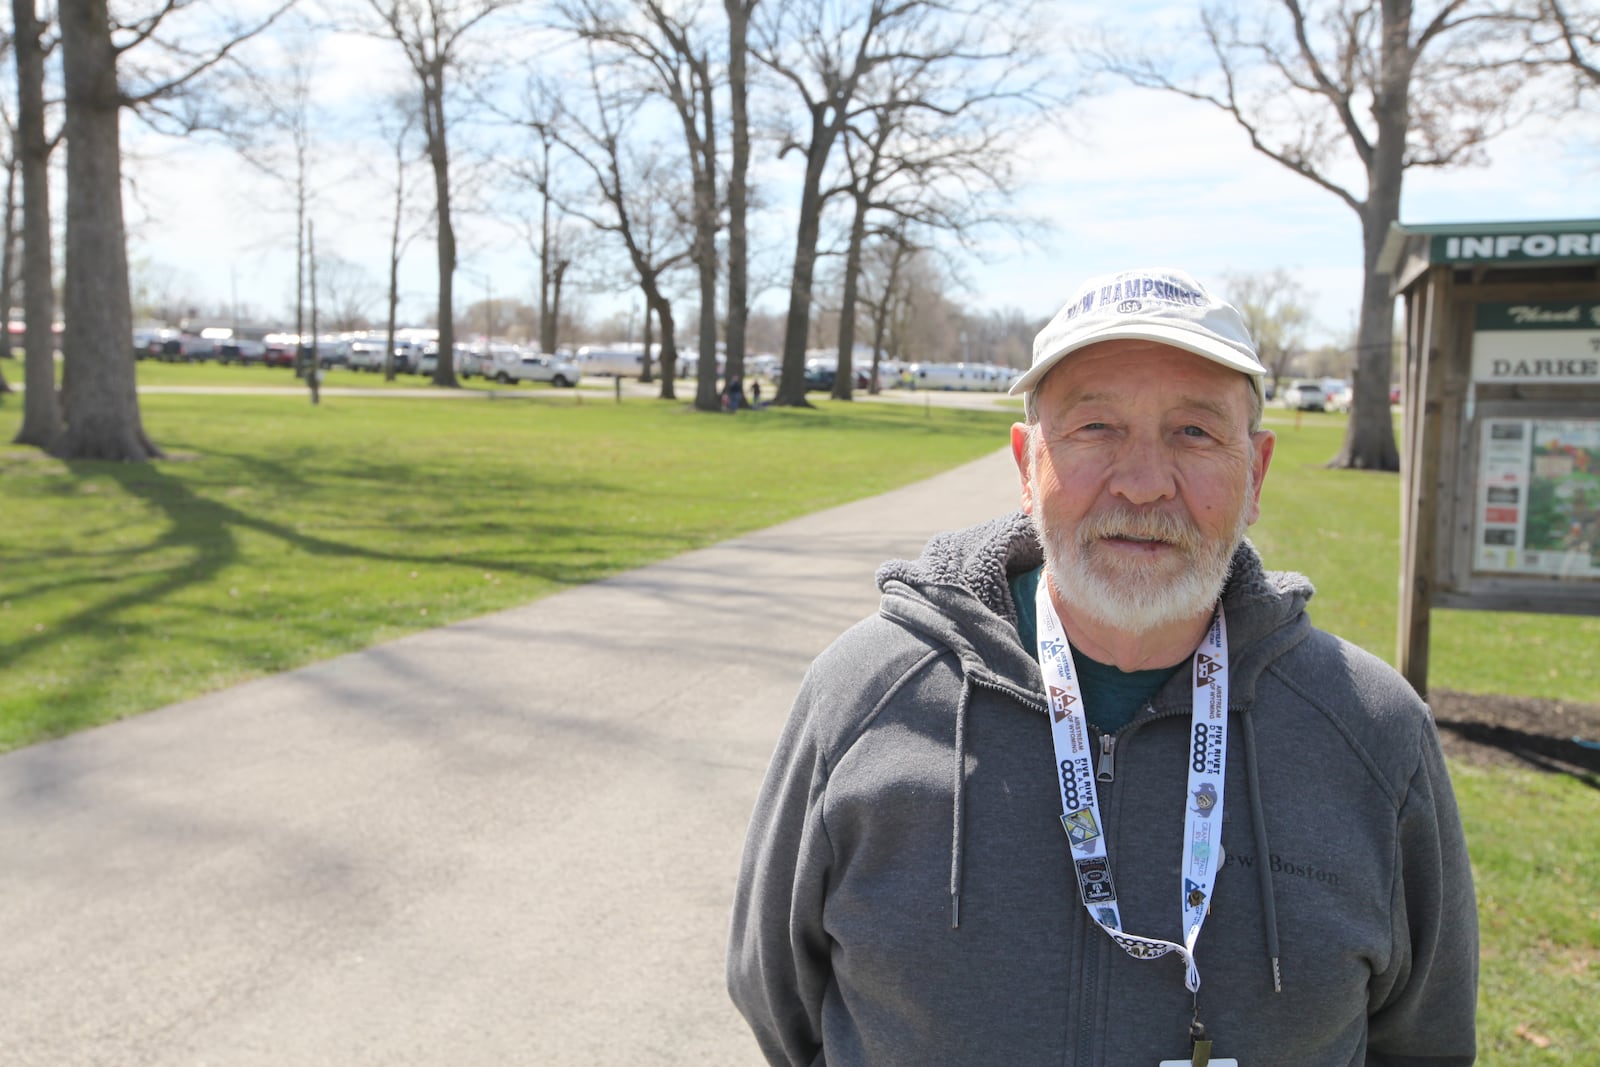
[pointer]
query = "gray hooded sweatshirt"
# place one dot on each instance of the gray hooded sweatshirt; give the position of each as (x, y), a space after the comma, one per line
(907, 893)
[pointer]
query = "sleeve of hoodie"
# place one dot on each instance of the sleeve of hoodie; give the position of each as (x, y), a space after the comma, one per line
(1423, 1005)
(778, 952)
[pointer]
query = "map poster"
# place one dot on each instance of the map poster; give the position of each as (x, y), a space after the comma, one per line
(1538, 507)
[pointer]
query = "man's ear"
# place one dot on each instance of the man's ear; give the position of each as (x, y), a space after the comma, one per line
(1023, 455)
(1262, 443)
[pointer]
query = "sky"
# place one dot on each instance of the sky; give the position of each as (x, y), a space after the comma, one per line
(1134, 177)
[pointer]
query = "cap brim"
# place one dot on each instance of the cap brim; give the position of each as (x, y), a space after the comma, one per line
(1177, 337)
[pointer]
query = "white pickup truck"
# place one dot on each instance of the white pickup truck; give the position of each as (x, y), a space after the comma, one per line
(507, 367)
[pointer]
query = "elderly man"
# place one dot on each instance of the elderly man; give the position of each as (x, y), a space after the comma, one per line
(1090, 788)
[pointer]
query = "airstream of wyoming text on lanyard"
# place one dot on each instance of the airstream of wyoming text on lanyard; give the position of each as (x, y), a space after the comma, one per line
(1080, 808)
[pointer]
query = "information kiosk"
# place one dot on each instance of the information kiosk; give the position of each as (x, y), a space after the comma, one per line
(1500, 453)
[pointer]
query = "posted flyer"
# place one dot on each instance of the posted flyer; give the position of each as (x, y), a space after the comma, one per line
(1538, 508)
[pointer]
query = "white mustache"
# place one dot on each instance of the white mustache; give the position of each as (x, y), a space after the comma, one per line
(1177, 530)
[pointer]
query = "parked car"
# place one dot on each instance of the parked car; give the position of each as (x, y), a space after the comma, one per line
(185, 348)
(148, 341)
(367, 355)
(1305, 396)
(333, 351)
(511, 366)
(1340, 398)
(279, 350)
(407, 356)
(428, 359)
(242, 351)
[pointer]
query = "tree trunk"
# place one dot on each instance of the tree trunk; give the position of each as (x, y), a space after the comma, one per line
(555, 309)
(8, 262)
(738, 178)
(99, 396)
(669, 347)
(41, 410)
(394, 256)
(444, 371)
(844, 376)
(705, 215)
(792, 384)
(646, 363)
(314, 369)
(1369, 442)
(300, 257)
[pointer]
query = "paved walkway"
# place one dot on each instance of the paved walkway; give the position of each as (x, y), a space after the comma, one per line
(508, 841)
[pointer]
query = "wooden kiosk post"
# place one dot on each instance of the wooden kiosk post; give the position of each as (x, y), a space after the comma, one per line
(1500, 450)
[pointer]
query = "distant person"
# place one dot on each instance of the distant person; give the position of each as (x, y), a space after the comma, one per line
(733, 392)
(1090, 788)
(755, 394)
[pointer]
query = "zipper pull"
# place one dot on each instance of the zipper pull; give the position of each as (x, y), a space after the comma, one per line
(1107, 769)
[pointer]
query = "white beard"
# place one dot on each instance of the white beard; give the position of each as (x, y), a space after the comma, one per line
(1127, 595)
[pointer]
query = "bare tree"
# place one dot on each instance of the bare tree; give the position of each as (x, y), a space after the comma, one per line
(432, 34)
(1274, 307)
(670, 48)
(880, 289)
(397, 120)
(932, 145)
(1382, 84)
(823, 53)
(645, 208)
(832, 57)
(541, 110)
(100, 403)
(278, 139)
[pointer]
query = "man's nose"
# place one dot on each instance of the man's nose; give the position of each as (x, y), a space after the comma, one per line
(1142, 471)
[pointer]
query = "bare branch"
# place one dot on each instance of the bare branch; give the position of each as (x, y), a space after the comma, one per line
(217, 55)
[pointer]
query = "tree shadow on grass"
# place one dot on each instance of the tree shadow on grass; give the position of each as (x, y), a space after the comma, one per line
(204, 530)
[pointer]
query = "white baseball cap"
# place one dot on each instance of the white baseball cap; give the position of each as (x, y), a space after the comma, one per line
(1150, 304)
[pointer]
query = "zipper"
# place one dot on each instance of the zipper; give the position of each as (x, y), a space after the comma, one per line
(1007, 691)
(1106, 769)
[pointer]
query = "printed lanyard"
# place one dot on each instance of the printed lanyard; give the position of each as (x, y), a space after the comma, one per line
(1080, 806)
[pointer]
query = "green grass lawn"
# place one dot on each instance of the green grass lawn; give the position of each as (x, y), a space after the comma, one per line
(281, 533)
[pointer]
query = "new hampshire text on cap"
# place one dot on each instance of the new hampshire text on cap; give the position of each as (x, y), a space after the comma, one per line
(1161, 305)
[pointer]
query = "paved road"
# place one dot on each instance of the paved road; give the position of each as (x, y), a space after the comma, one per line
(508, 841)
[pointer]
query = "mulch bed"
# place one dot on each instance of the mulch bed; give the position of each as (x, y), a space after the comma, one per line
(1502, 731)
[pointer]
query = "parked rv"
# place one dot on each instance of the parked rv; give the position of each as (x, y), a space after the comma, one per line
(612, 362)
(976, 377)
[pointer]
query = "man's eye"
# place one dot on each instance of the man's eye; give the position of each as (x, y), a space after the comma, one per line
(1194, 431)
